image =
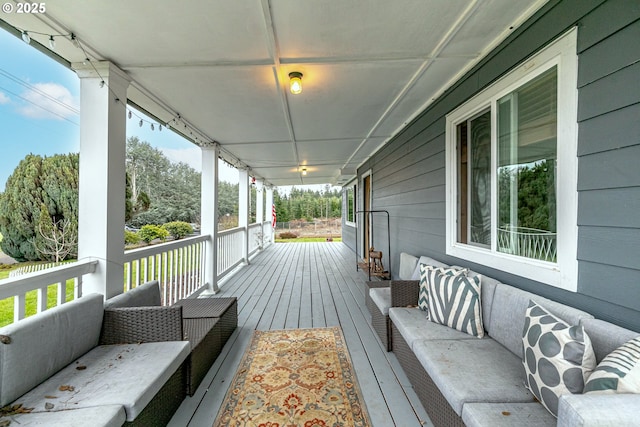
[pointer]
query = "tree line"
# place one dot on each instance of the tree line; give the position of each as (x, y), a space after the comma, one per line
(39, 206)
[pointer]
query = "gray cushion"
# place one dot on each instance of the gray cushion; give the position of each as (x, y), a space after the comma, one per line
(413, 325)
(507, 414)
(381, 297)
(407, 266)
(606, 336)
(473, 370)
(488, 290)
(145, 295)
(584, 410)
(508, 313)
(428, 261)
(43, 344)
(99, 416)
(126, 374)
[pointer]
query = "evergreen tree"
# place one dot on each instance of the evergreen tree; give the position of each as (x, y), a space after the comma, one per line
(37, 181)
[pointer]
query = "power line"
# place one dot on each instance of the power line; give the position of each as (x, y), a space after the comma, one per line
(39, 106)
(38, 91)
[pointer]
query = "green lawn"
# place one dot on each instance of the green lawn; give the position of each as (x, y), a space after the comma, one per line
(6, 305)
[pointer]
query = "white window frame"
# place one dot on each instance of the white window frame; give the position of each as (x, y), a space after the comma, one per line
(563, 273)
(351, 186)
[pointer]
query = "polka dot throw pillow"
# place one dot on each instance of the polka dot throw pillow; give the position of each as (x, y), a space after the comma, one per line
(558, 358)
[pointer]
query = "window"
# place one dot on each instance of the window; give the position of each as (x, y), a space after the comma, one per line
(350, 208)
(511, 171)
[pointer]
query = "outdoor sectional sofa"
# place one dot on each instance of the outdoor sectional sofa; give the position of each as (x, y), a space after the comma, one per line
(463, 380)
(207, 323)
(69, 366)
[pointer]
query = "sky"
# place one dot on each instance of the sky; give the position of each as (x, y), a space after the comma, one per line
(39, 113)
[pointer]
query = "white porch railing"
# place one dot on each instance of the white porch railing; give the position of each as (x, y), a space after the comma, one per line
(40, 281)
(178, 266)
(229, 250)
(528, 242)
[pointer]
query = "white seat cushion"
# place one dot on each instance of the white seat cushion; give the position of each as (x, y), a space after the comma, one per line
(126, 374)
(381, 297)
(413, 325)
(99, 416)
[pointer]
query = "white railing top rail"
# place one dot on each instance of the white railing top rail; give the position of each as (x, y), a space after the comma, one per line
(31, 281)
(134, 254)
(230, 231)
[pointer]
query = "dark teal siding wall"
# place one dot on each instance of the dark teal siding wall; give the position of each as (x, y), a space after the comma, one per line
(408, 173)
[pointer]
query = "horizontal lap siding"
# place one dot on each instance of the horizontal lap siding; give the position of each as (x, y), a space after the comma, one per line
(408, 173)
(609, 154)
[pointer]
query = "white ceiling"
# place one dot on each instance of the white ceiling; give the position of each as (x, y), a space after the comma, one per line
(369, 67)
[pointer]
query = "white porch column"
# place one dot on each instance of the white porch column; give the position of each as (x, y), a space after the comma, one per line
(209, 213)
(269, 207)
(102, 174)
(260, 210)
(243, 211)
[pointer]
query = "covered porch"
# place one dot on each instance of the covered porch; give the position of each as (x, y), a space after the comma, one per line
(307, 285)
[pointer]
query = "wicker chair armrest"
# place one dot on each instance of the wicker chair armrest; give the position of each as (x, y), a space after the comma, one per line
(404, 293)
(378, 284)
(141, 324)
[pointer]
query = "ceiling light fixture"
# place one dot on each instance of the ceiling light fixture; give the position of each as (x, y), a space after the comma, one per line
(304, 171)
(27, 39)
(295, 82)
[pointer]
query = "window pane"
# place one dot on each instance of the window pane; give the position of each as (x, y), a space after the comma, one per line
(527, 135)
(474, 181)
(351, 204)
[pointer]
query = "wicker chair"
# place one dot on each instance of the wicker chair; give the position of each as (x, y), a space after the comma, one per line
(146, 324)
(402, 295)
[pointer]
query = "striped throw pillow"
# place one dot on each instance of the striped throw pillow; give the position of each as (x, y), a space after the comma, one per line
(619, 371)
(455, 301)
(427, 272)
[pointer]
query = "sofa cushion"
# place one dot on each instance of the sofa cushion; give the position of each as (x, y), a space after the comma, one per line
(473, 370)
(508, 312)
(125, 374)
(589, 410)
(606, 337)
(51, 339)
(414, 326)
(515, 414)
(558, 358)
(408, 265)
(99, 416)
(145, 295)
(619, 372)
(455, 301)
(381, 297)
(428, 261)
(488, 289)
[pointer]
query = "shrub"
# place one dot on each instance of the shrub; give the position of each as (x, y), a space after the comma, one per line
(149, 233)
(288, 235)
(178, 229)
(131, 238)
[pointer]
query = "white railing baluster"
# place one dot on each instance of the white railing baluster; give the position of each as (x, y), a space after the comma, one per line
(61, 296)
(41, 304)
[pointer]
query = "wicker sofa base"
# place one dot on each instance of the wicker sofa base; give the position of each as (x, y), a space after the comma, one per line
(382, 325)
(436, 405)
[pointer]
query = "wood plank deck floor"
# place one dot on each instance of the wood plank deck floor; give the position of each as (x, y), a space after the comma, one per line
(305, 285)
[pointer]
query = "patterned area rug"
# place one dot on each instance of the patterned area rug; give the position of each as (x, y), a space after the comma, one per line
(298, 377)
